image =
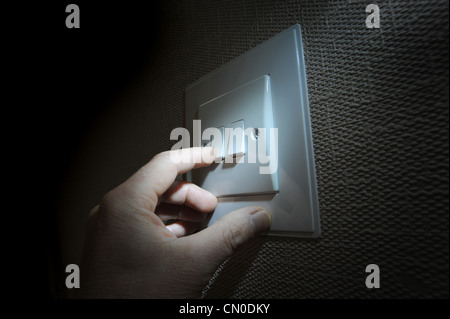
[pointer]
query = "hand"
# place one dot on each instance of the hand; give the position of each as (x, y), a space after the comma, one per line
(130, 253)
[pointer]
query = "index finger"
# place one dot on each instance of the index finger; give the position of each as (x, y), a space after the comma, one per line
(155, 177)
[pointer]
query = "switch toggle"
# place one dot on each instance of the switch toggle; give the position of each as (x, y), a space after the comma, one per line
(236, 141)
(216, 140)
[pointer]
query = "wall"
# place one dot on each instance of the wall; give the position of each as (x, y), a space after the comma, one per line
(379, 112)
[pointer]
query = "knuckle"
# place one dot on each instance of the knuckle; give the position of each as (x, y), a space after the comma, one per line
(163, 155)
(113, 199)
(94, 211)
(108, 199)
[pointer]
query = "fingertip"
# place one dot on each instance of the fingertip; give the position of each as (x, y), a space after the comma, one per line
(208, 154)
(261, 220)
(211, 197)
(203, 200)
(182, 228)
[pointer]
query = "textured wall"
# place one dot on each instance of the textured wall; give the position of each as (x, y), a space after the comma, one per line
(379, 111)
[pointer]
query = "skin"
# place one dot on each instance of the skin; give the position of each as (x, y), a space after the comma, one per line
(130, 253)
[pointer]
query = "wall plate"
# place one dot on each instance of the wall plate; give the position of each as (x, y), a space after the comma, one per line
(246, 107)
(266, 87)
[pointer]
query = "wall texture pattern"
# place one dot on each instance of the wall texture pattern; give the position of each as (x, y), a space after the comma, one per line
(379, 112)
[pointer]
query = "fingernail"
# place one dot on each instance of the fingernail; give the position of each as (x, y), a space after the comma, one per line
(260, 221)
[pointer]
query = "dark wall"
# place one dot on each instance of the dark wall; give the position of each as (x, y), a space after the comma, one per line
(379, 112)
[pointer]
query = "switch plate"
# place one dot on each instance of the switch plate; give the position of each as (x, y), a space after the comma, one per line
(247, 106)
(235, 88)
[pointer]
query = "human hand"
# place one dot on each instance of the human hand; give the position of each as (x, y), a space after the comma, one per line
(130, 253)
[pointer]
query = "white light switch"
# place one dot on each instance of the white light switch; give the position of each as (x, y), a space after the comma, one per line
(260, 90)
(246, 107)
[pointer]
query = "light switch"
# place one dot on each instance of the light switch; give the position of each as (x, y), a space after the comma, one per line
(245, 107)
(265, 93)
(236, 141)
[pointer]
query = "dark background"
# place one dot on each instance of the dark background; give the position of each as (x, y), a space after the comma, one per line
(101, 100)
(90, 67)
(63, 80)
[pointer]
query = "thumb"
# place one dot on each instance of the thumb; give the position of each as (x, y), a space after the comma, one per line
(222, 238)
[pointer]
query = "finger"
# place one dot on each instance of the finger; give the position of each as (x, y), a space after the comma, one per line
(162, 170)
(235, 228)
(169, 211)
(185, 193)
(154, 178)
(183, 228)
